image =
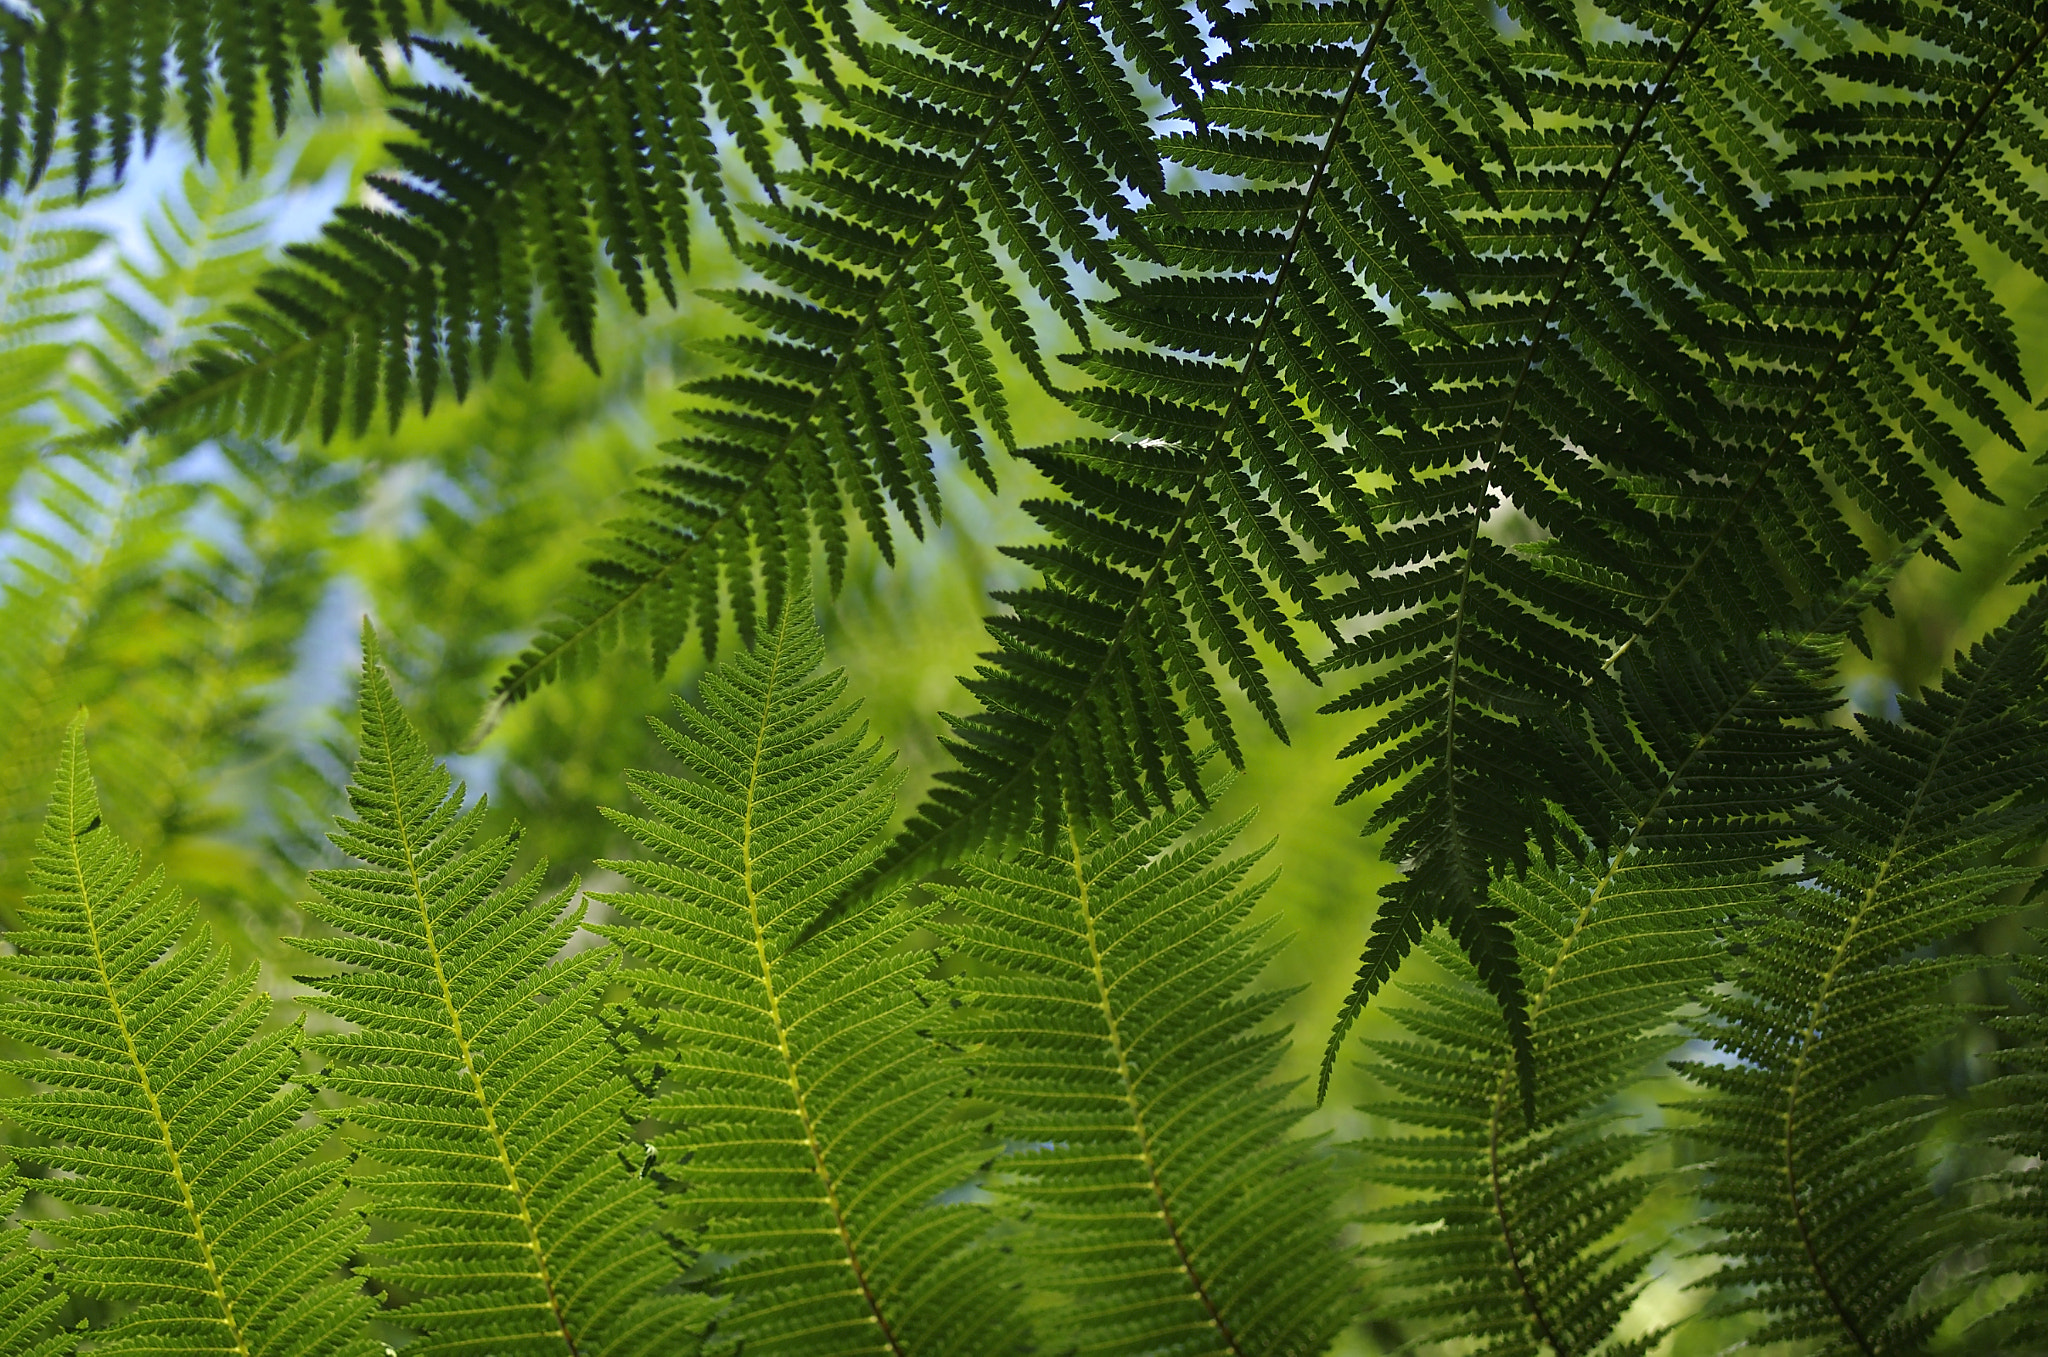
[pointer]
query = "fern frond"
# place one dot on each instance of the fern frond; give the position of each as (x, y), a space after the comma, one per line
(816, 1132)
(1815, 1187)
(1875, 349)
(28, 1305)
(1113, 1021)
(102, 76)
(482, 1082)
(196, 1194)
(574, 129)
(1005, 133)
(1703, 769)
(2019, 1099)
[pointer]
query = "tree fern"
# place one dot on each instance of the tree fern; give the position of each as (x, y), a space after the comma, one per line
(480, 1078)
(1112, 1021)
(166, 1110)
(27, 1303)
(809, 1121)
(1817, 1192)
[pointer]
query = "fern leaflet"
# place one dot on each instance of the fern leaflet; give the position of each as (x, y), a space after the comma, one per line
(1814, 1183)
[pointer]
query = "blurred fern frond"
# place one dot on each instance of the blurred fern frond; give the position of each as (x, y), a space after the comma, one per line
(1817, 1194)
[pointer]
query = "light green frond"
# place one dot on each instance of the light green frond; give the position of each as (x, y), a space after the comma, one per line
(28, 1301)
(195, 1190)
(1821, 1204)
(494, 1119)
(823, 1146)
(1113, 1020)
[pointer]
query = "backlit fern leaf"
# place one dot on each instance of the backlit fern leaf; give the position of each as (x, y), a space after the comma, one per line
(28, 1305)
(178, 1143)
(495, 1122)
(575, 129)
(1112, 1019)
(813, 1127)
(1817, 1193)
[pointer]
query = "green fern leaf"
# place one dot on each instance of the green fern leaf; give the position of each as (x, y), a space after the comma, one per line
(2017, 1098)
(1815, 1187)
(573, 127)
(27, 1304)
(815, 1131)
(480, 1078)
(1111, 1018)
(195, 1193)
(1703, 770)
(1012, 128)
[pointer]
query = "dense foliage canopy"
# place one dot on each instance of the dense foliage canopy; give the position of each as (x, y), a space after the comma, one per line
(1575, 467)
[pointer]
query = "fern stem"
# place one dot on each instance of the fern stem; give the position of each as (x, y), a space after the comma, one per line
(520, 1193)
(1130, 1088)
(156, 1111)
(1852, 338)
(826, 1180)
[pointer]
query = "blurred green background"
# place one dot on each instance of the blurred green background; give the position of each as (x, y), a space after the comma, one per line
(202, 599)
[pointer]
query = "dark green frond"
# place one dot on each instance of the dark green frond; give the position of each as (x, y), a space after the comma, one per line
(495, 1125)
(1112, 1018)
(166, 1113)
(974, 172)
(1817, 1192)
(574, 130)
(1700, 774)
(821, 1145)
(2018, 1119)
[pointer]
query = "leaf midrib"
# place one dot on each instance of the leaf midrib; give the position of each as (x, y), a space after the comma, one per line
(798, 1094)
(1128, 1083)
(149, 1093)
(499, 1145)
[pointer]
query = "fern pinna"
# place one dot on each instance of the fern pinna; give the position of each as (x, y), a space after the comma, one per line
(167, 1115)
(494, 1118)
(807, 1117)
(1112, 1021)
(968, 169)
(1813, 1177)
